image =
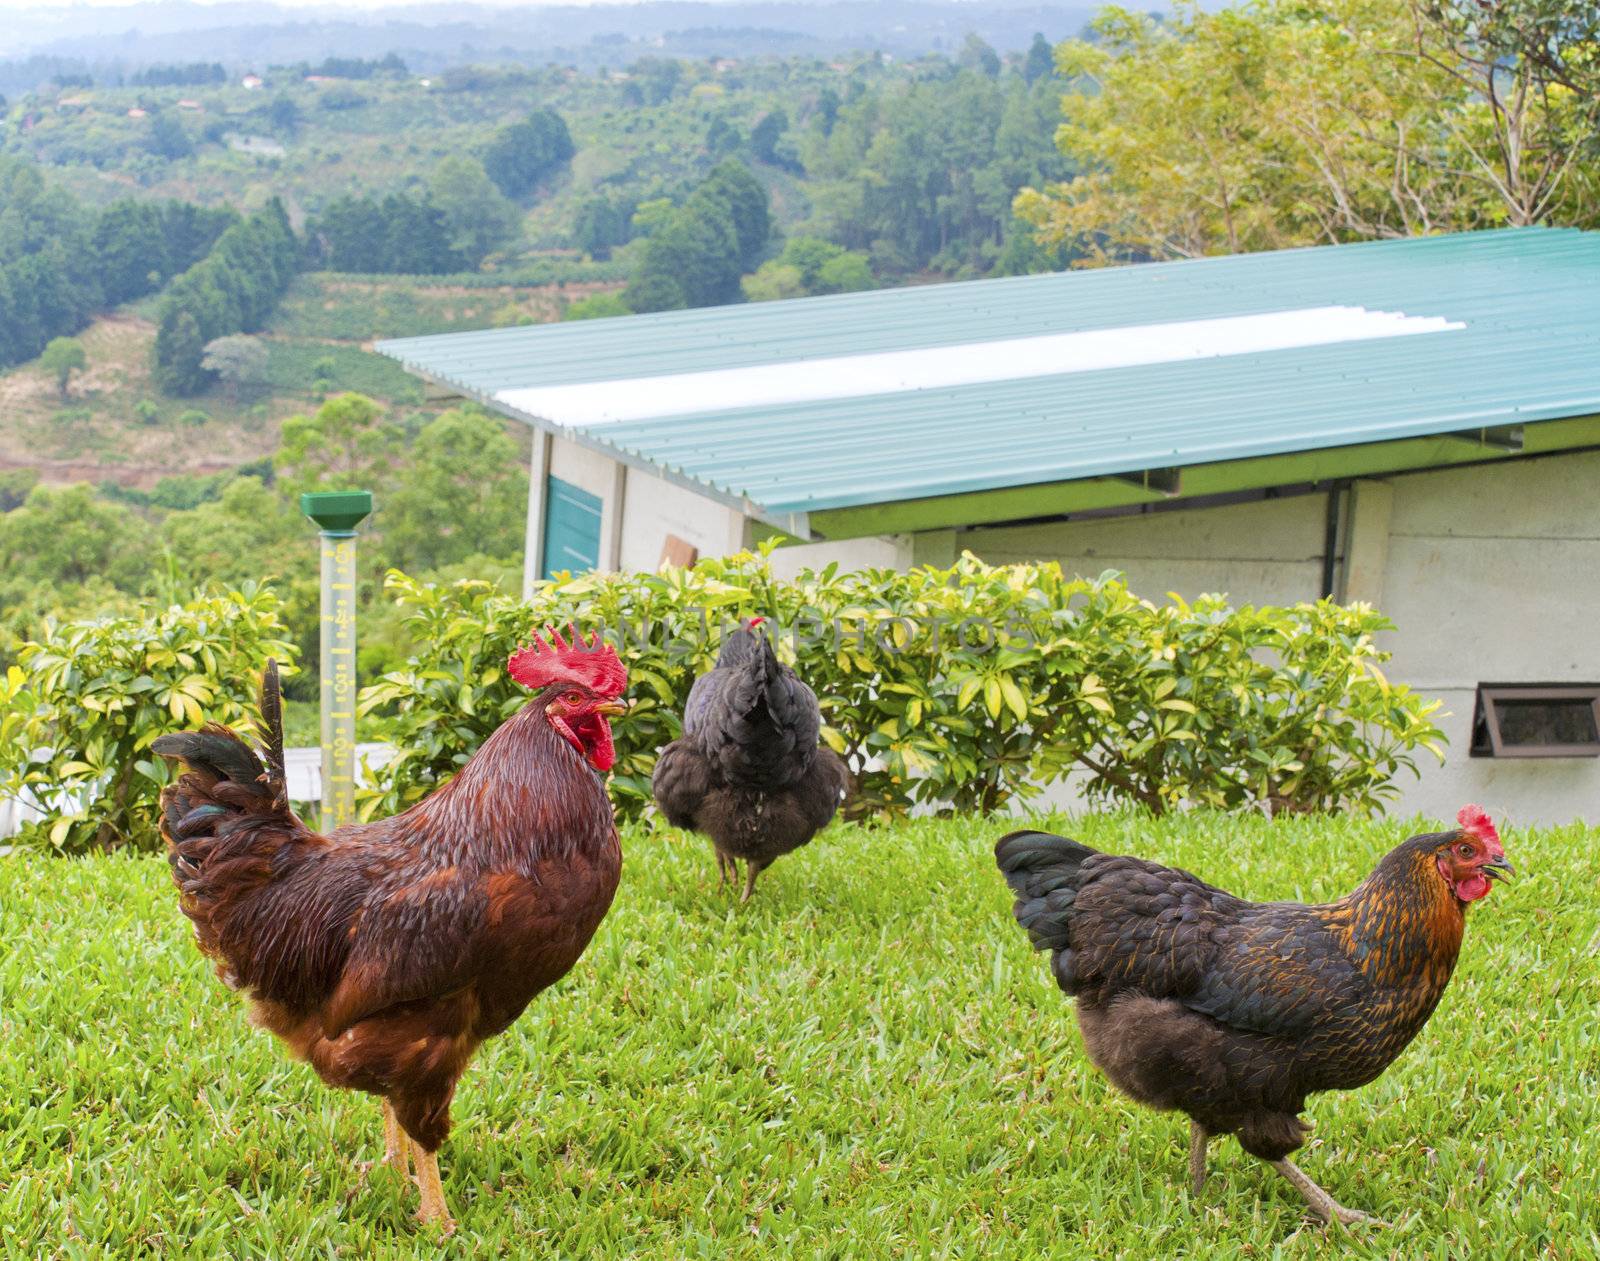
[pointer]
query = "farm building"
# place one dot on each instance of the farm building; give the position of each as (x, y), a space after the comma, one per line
(1411, 423)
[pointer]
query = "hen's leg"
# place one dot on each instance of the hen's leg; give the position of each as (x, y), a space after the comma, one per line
(725, 869)
(1322, 1204)
(752, 869)
(433, 1210)
(395, 1146)
(1198, 1138)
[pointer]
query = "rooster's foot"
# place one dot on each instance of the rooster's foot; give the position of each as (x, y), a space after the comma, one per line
(395, 1153)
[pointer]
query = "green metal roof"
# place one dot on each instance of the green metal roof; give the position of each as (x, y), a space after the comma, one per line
(1501, 330)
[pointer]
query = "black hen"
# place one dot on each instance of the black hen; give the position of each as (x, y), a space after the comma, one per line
(748, 771)
(1235, 1011)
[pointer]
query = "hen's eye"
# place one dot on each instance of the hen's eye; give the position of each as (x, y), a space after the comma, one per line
(1464, 850)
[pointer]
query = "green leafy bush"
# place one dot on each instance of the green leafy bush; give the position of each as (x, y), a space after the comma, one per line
(81, 706)
(957, 689)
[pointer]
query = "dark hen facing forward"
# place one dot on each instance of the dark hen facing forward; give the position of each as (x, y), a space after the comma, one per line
(748, 771)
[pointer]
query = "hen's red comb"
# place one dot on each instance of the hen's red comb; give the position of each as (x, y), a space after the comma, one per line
(593, 664)
(1475, 821)
(754, 622)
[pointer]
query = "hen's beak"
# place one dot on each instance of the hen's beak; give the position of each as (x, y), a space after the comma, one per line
(1499, 869)
(611, 709)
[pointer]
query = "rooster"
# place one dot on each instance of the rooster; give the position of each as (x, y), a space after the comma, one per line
(748, 771)
(1233, 1011)
(385, 953)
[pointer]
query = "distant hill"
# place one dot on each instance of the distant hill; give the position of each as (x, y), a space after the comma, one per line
(112, 43)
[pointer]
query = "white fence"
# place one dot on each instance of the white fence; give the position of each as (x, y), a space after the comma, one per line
(302, 767)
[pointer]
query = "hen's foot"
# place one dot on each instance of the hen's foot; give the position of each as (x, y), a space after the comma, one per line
(433, 1212)
(1327, 1209)
(395, 1146)
(1198, 1137)
(751, 871)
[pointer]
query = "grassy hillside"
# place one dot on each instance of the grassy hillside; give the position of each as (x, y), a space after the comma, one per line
(867, 1061)
(114, 424)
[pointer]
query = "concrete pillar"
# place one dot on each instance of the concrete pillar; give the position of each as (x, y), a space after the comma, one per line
(934, 547)
(1366, 547)
(538, 484)
(612, 512)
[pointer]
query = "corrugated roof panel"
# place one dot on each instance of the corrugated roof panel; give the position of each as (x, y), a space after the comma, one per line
(1525, 304)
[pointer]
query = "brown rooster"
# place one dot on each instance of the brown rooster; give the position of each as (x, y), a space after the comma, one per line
(385, 953)
(1235, 1011)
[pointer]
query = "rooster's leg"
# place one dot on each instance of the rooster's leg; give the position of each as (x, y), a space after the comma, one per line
(395, 1145)
(433, 1210)
(1198, 1138)
(1322, 1204)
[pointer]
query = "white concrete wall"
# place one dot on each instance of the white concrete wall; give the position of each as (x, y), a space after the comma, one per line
(1268, 552)
(1493, 576)
(655, 508)
(877, 552)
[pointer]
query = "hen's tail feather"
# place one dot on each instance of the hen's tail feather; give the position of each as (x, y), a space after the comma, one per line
(1042, 870)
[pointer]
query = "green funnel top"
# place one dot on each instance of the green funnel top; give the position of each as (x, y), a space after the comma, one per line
(337, 511)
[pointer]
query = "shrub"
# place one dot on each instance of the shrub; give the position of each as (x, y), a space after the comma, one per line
(957, 689)
(83, 703)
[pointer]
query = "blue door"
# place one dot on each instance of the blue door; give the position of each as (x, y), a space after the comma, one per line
(571, 528)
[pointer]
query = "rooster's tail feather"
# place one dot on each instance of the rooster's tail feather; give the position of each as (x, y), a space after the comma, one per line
(226, 820)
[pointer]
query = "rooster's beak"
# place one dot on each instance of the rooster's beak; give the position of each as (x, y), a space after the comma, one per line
(612, 709)
(1499, 869)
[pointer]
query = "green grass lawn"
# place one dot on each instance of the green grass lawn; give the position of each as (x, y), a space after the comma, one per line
(867, 1061)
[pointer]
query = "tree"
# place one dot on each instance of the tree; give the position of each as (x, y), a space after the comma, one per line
(765, 135)
(15, 484)
(602, 223)
(346, 445)
(239, 361)
(65, 535)
(463, 493)
(809, 265)
(846, 272)
(722, 138)
(61, 358)
(692, 260)
(1040, 62)
(167, 137)
(521, 155)
(233, 289)
(773, 281)
(1533, 68)
(1284, 124)
(978, 56)
(179, 354)
(479, 216)
(284, 115)
(731, 183)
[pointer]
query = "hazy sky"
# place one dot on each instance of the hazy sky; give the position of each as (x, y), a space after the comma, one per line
(20, 5)
(23, 5)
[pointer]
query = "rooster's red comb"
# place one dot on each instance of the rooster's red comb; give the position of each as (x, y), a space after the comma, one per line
(1475, 822)
(593, 664)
